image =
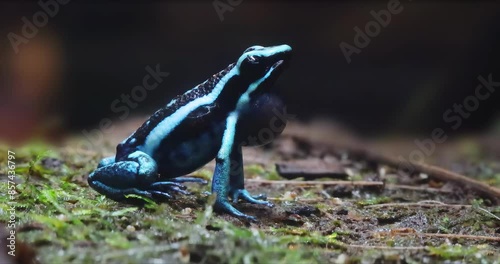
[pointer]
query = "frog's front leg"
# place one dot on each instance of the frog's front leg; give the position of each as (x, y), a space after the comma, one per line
(237, 181)
(136, 174)
(228, 176)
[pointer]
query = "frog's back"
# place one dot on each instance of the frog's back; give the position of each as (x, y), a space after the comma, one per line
(187, 131)
(193, 142)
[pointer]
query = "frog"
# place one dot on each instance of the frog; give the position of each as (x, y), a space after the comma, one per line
(213, 120)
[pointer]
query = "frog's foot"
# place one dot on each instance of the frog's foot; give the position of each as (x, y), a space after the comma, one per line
(135, 175)
(165, 188)
(224, 206)
(246, 196)
(122, 195)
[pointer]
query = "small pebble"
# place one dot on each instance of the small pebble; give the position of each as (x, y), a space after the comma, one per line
(382, 171)
(184, 255)
(290, 196)
(130, 228)
(337, 201)
(308, 225)
(61, 217)
(349, 172)
(186, 211)
(342, 258)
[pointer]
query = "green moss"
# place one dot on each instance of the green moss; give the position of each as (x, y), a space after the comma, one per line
(253, 170)
(68, 222)
(374, 200)
(452, 252)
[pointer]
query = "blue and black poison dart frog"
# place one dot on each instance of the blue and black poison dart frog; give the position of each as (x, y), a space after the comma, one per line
(212, 120)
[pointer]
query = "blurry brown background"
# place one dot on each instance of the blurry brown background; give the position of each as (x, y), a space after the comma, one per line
(89, 53)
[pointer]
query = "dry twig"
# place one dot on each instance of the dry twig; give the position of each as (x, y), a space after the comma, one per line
(385, 247)
(450, 236)
(296, 182)
(419, 204)
(366, 151)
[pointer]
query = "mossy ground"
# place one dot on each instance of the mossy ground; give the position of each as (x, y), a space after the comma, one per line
(65, 221)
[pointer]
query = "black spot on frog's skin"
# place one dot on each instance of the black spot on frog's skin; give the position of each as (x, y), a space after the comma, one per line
(202, 111)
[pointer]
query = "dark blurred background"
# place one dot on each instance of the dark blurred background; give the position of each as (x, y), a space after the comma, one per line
(427, 58)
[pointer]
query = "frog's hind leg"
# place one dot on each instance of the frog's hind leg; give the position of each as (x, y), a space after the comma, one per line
(134, 175)
(106, 161)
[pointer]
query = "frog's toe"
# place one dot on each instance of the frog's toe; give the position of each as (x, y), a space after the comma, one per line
(225, 206)
(179, 190)
(246, 196)
(189, 179)
(260, 196)
(169, 187)
(162, 195)
(206, 193)
(249, 218)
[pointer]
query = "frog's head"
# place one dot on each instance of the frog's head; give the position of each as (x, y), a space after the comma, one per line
(260, 66)
(252, 74)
